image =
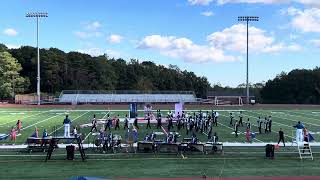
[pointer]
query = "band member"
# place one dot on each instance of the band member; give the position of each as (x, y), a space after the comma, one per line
(148, 121)
(258, 121)
(240, 118)
(135, 122)
(108, 123)
(126, 122)
(19, 126)
(266, 125)
(270, 123)
(231, 119)
(216, 118)
(66, 123)
(170, 124)
(159, 124)
(236, 128)
(94, 123)
(117, 123)
(260, 126)
(281, 137)
(248, 124)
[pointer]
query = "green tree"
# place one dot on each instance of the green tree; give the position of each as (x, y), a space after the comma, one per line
(10, 80)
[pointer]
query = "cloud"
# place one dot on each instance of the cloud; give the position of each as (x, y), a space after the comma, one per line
(235, 37)
(183, 48)
(86, 35)
(307, 20)
(309, 3)
(282, 47)
(10, 32)
(114, 38)
(207, 13)
(315, 42)
(12, 46)
(93, 25)
(89, 30)
(200, 2)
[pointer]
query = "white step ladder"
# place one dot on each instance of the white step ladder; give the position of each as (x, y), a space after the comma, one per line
(304, 149)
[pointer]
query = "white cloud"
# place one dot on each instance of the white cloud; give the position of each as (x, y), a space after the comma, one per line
(85, 35)
(200, 2)
(93, 25)
(207, 13)
(12, 46)
(307, 20)
(235, 37)
(115, 38)
(183, 48)
(282, 47)
(310, 3)
(113, 53)
(315, 42)
(10, 32)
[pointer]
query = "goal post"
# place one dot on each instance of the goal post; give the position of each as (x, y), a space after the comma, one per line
(228, 101)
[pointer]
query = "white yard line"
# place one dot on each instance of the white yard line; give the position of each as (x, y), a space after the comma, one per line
(311, 114)
(72, 121)
(296, 121)
(164, 130)
(1, 125)
(27, 127)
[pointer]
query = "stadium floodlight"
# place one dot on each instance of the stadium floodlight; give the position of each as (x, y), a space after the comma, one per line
(38, 15)
(247, 19)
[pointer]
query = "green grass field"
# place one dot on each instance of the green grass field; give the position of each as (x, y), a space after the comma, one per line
(50, 118)
(247, 161)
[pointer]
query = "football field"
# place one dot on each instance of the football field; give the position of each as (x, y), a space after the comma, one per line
(235, 162)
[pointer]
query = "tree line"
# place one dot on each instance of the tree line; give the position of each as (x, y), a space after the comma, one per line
(79, 71)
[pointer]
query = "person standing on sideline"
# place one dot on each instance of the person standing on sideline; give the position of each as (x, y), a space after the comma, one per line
(117, 126)
(266, 125)
(66, 123)
(299, 127)
(281, 137)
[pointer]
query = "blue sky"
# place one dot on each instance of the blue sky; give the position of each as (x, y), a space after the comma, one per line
(197, 35)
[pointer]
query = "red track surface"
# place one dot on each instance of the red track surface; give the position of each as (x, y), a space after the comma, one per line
(242, 178)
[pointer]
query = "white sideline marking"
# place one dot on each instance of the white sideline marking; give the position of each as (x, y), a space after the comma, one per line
(1, 125)
(72, 121)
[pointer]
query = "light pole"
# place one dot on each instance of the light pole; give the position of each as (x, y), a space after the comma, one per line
(247, 19)
(38, 15)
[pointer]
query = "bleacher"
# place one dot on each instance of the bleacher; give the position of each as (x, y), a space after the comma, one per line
(91, 97)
